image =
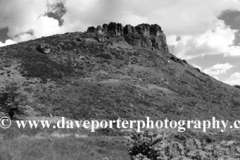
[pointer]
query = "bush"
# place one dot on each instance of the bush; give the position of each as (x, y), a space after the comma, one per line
(148, 146)
(142, 146)
(13, 97)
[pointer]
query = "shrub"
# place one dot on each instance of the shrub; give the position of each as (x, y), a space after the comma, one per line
(148, 146)
(142, 146)
(13, 97)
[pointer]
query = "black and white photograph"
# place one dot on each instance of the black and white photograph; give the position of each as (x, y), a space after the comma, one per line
(119, 79)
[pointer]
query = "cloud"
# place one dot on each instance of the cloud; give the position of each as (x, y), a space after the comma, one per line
(29, 15)
(215, 41)
(7, 42)
(232, 19)
(24, 13)
(218, 69)
(187, 16)
(234, 79)
(56, 11)
(3, 34)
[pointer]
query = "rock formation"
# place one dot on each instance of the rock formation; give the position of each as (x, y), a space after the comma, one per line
(44, 48)
(143, 35)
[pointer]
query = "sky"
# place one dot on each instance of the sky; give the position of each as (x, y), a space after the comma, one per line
(206, 33)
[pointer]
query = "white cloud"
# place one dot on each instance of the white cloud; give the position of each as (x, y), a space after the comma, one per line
(216, 41)
(233, 51)
(182, 17)
(7, 42)
(234, 79)
(218, 69)
(23, 37)
(27, 15)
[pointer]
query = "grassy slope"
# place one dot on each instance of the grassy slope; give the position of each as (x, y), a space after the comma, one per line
(51, 144)
(84, 79)
(90, 77)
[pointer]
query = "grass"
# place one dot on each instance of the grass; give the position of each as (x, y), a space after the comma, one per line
(56, 144)
(74, 144)
(71, 148)
(133, 83)
(40, 66)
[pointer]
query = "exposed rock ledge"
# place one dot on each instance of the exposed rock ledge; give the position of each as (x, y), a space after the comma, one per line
(143, 35)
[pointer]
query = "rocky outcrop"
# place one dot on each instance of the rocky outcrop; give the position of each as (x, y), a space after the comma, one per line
(143, 35)
(44, 48)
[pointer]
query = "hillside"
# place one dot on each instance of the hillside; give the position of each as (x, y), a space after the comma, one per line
(113, 71)
(110, 72)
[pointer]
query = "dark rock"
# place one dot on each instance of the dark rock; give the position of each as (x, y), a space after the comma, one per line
(197, 69)
(91, 29)
(143, 29)
(175, 59)
(128, 29)
(237, 86)
(143, 35)
(44, 48)
(105, 28)
(79, 39)
(115, 28)
(155, 30)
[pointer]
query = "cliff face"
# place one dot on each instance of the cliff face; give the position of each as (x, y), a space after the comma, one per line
(142, 35)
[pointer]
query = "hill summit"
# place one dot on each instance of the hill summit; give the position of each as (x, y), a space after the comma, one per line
(107, 72)
(143, 35)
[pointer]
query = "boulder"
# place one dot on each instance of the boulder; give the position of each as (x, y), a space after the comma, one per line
(44, 48)
(105, 28)
(115, 28)
(128, 29)
(143, 29)
(91, 29)
(155, 30)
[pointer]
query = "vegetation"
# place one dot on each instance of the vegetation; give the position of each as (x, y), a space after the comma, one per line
(12, 98)
(82, 78)
(149, 146)
(53, 144)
